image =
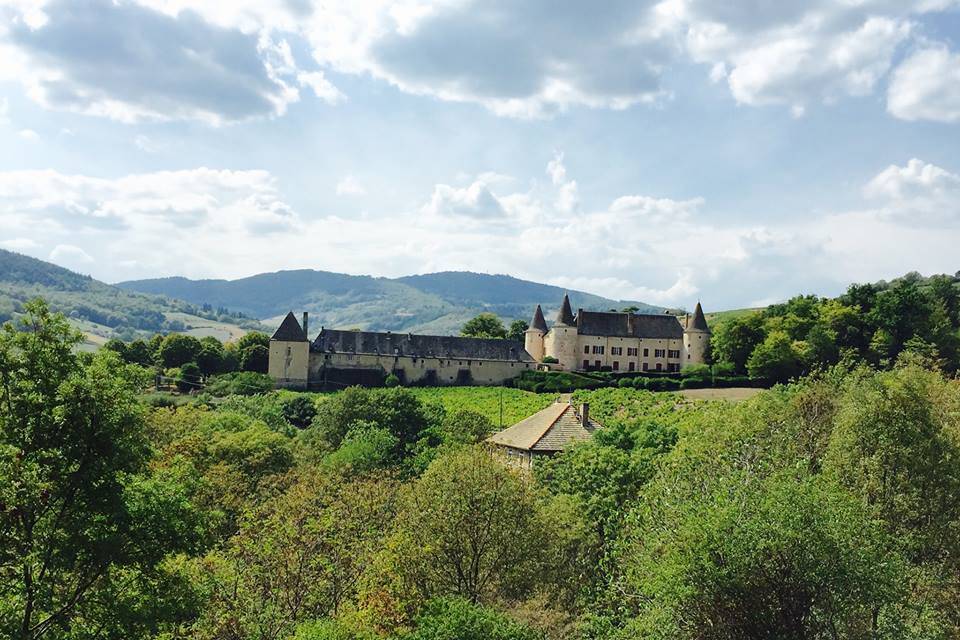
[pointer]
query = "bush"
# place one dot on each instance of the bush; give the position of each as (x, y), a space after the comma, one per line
(458, 619)
(189, 377)
(391, 381)
(550, 360)
(662, 384)
(695, 383)
(244, 383)
(299, 411)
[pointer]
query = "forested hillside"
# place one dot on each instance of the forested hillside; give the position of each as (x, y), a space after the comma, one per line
(870, 323)
(96, 306)
(437, 303)
(827, 508)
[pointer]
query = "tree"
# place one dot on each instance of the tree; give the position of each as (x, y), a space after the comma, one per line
(469, 527)
(210, 357)
(775, 359)
(298, 557)
(485, 325)
(178, 349)
(518, 330)
(784, 558)
(138, 352)
(733, 341)
(189, 377)
(72, 448)
(255, 358)
(117, 346)
(252, 339)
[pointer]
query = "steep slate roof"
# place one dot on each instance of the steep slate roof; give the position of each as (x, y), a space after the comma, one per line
(549, 430)
(290, 330)
(565, 316)
(628, 325)
(699, 322)
(538, 321)
(406, 344)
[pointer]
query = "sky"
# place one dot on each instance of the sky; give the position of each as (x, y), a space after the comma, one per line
(666, 151)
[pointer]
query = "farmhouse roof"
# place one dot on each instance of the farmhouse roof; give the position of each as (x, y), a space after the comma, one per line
(419, 346)
(538, 322)
(566, 312)
(290, 330)
(628, 325)
(547, 431)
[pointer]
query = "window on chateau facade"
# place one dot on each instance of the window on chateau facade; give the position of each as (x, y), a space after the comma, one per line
(616, 365)
(632, 351)
(659, 367)
(616, 351)
(659, 353)
(586, 364)
(645, 367)
(673, 353)
(632, 366)
(598, 350)
(586, 349)
(596, 363)
(646, 353)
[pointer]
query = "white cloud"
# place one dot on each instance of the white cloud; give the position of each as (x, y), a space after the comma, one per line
(19, 244)
(568, 197)
(918, 193)
(80, 57)
(29, 134)
(4, 111)
(70, 255)
(350, 186)
(210, 223)
(926, 86)
(145, 144)
(473, 201)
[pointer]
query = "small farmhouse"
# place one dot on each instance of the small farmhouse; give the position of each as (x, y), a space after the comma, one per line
(544, 434)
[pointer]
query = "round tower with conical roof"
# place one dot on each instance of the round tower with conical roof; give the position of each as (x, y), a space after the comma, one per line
(533, 337)
(696, 338)
(561, 341)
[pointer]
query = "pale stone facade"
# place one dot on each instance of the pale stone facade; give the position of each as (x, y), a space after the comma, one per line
(623, 342)
(337, 359)
(589, 340)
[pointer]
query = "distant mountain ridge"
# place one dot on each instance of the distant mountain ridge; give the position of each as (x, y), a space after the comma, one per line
(430, 303)
(99, 309)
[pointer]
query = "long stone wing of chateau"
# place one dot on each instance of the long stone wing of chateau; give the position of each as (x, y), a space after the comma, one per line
(587, 341)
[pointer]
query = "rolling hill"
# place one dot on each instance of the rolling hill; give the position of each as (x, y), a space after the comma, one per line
(103, 311)
(433, 303)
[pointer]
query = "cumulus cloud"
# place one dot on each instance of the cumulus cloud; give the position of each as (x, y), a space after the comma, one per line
(69, 254)
(926, 86)
(28, 134)
(350, 186)
(663, 250)
(132, 63)
(918, 192)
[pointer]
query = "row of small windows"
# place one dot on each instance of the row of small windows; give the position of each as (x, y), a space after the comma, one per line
(632, 351)
(631, 366)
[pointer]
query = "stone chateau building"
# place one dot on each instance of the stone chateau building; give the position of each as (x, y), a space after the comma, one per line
(611, 341)
(589, 340)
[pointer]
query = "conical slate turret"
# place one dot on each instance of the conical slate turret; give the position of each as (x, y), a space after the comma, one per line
(566, 313)
(538, 322)
(699, 322)
(290, 330)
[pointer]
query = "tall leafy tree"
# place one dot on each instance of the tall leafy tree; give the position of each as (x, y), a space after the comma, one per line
(485, 325)
(71, 447)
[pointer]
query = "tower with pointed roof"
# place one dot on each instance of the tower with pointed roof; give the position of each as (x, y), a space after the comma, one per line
(290, 354)
(696, 338)
(533, 337)
(561, 341)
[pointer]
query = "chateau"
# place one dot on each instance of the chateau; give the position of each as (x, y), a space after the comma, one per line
(589, 340)
(611, 341)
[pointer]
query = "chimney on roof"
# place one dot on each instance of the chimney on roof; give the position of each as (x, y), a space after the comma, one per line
(585, 415)
(305, 330)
